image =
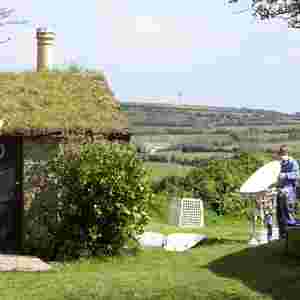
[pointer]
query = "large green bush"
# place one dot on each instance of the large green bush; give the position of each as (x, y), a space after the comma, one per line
(170, 184)
(89, 202)
(218, 183)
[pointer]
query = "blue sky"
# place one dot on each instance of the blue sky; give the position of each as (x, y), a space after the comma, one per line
(151, 49)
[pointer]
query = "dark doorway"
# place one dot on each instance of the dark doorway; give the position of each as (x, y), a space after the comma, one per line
(11, 204)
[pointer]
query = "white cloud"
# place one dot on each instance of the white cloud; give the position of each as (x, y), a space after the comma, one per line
(165, 32)
(146, 24)
(113, 32)
(163, 40)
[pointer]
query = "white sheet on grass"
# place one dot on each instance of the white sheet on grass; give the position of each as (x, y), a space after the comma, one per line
(173, 242)
(182, 241)
(151, 239)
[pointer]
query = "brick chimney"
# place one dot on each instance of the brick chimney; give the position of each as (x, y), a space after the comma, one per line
(45, 43)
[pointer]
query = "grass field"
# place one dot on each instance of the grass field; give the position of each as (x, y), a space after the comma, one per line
(182, 138)
(191, 155)
(222, 268)
(293, 145)
(159, 170)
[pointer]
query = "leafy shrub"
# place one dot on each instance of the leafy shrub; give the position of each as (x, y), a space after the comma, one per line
(164, 190)
(159, 209)
(169, 184)
(89, 201)
(217, 184)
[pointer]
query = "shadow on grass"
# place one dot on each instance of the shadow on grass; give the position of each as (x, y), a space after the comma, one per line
(265, 269)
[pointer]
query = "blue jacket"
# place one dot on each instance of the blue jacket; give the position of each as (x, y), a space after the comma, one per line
(290, 168)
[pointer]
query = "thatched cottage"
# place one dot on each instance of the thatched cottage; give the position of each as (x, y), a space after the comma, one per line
(38, 108)
(59, 106)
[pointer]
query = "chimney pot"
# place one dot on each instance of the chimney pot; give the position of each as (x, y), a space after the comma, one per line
(45, 43)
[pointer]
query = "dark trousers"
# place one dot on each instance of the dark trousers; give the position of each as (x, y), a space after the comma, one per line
(285, 213)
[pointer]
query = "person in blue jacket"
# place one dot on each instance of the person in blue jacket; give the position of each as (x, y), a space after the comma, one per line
(286, 198)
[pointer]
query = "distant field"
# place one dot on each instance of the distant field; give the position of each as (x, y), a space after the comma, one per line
(192, 108)
(261, 127)
(160, 170)
(199, 155)
(264, 139)
(148, 130)
(182, 138)
(293, 145)
(178, 130)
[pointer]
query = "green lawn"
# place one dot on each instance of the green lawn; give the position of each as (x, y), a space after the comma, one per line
(222, 268)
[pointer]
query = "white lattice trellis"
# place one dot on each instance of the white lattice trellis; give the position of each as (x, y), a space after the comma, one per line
(187, 212)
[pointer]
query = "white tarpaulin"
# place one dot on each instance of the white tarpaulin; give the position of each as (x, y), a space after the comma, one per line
(173, 242)
(151, 239)
(182, 241)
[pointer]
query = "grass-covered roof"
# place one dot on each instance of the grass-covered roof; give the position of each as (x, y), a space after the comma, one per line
(58, 100)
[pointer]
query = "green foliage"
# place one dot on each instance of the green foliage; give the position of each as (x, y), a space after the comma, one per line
(159, 210)
(169, 184)
(218, 183)
(92, 202)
